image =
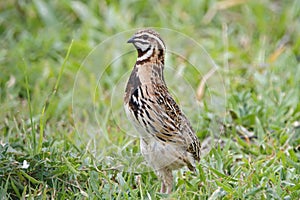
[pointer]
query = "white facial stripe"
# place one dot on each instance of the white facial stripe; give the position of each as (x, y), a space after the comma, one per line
(157, 39)
(142, 46)
(146, 55)
(153, 36)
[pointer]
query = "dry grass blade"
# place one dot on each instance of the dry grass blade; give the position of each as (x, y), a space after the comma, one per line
(201, 87)
(273, 57)
(221, 5)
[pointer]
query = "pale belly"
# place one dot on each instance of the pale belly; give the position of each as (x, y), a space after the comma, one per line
(161, 155)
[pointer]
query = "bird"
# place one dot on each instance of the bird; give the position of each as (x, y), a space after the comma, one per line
(167, 139)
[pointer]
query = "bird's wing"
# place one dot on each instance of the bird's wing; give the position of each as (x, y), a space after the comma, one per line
(160, 116)
(156, 114)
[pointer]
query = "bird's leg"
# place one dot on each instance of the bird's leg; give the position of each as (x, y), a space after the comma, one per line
(169, 185)
(163, 187)
(167, 180)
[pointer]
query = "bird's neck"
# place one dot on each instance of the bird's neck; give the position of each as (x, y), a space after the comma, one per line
(147, 74)
(151, 72)
(151, 55)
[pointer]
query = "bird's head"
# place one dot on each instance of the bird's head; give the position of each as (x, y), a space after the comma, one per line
(148, 44)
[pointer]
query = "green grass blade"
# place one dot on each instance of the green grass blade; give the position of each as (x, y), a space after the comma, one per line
(48, 100)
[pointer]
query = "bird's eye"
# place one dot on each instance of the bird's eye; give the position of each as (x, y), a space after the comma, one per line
(145, 37)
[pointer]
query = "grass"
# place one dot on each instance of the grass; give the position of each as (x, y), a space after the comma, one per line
(63, 69)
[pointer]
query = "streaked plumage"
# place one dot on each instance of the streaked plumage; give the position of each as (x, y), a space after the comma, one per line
(168, 141)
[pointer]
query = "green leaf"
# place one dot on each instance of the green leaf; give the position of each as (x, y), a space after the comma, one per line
(31, 179)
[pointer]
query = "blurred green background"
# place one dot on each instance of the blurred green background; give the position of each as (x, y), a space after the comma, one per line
(45, 46)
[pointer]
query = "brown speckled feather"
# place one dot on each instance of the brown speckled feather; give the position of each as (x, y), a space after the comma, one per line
(168, 141)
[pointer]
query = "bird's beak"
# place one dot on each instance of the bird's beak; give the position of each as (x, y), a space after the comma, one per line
(131, 40)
